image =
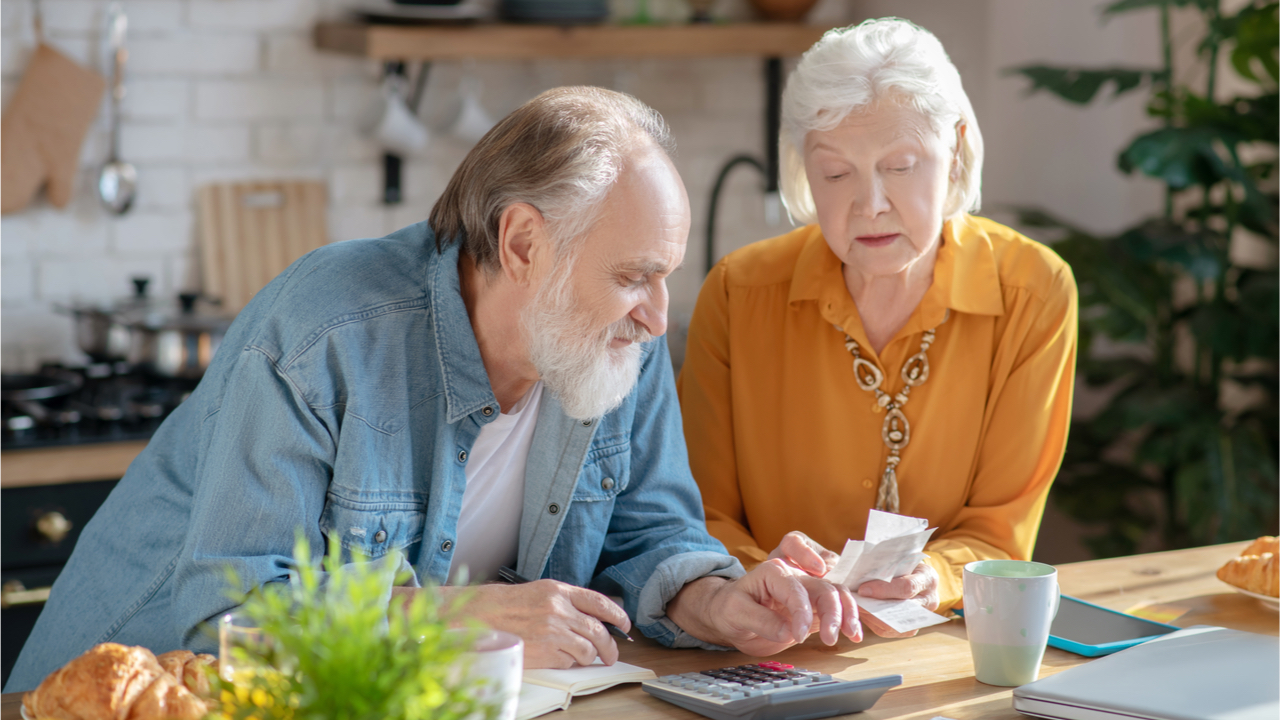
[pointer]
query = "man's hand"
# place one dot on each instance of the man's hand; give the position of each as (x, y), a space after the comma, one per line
(921, 586)
(765, 611)
(559, 623)
(801, 551)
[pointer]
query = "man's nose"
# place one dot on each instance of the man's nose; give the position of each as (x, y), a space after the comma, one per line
(652, 313)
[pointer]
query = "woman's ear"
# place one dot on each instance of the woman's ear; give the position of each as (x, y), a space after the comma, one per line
(955, 155)
(521, 235)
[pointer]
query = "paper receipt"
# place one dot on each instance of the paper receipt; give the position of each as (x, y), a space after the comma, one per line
(893, 547)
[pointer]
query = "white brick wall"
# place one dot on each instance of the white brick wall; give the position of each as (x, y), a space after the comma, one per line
(223, 90)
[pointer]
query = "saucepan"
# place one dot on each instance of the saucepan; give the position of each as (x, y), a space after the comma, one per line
(102, 331)
(179, 344)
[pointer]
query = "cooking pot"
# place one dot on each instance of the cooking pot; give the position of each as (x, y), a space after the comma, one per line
(179, 345)
(102, 331)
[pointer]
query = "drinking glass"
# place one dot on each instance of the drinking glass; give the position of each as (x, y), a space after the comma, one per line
(243, 649)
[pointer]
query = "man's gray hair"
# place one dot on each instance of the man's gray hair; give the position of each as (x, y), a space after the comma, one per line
(560, 152)
(849, 70)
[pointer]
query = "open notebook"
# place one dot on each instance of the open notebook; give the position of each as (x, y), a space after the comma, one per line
(547, 690)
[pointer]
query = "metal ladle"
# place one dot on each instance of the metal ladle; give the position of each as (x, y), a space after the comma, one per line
(118, 181)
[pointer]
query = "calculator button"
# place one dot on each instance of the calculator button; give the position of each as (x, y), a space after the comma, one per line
(804, 680)
(736, 696)
(823, 678)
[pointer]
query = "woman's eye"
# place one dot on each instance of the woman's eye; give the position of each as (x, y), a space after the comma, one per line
(833, 178)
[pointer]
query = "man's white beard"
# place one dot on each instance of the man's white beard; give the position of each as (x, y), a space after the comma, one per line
(575, 363)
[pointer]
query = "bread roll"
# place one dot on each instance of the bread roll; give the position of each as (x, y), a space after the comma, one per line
(113, 682)
(1255, 573)
(189, 669)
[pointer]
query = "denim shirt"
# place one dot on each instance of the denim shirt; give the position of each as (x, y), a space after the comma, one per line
(344, 401)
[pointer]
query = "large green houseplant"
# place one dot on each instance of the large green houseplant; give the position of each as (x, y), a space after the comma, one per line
(1191, 417)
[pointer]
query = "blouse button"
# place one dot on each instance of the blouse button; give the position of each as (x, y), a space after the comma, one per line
(867, 484)
(553, 509)
(487, 411)
(446, 546)
(607, 483)
(380, 536)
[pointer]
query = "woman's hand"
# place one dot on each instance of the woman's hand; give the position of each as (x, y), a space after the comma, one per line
(800, 551)
(920, 585)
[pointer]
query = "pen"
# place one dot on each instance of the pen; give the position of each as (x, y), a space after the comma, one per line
(515, 578)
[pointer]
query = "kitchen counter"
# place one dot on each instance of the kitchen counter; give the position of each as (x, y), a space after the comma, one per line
(936, 665)
(67, 463)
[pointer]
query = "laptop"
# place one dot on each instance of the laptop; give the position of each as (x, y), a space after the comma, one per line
(1198, 673)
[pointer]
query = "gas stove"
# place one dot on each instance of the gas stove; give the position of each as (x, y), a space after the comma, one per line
(97, 403)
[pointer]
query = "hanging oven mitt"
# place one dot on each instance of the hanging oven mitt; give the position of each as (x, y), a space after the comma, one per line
(43, 127)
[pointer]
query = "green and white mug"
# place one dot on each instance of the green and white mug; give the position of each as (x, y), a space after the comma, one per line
(1009, 606)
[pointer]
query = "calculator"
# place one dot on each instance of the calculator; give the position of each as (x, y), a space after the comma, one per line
(768, 691)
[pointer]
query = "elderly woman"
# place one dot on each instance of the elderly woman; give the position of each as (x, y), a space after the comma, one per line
(894, 353)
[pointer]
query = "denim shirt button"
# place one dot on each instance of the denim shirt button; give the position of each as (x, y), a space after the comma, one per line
(553, 509)
(462, 456)
(380, 536)
(446, 546)
(607, 483)
(586, 423)
(487, 411)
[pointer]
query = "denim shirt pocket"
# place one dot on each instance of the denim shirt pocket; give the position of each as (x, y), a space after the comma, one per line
(605, 472)
(371, 529)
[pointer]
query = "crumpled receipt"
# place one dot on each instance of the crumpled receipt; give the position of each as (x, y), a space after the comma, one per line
(892, 548)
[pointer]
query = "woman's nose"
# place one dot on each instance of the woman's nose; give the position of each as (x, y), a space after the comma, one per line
(871, 200)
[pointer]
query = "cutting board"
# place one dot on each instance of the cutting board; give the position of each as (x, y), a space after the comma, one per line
(251, 231)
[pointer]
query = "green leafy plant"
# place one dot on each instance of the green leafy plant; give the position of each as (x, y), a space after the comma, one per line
(1190, 420)
(333, 650)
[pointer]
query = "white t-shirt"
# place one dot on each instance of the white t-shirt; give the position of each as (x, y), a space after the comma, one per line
(489, 523)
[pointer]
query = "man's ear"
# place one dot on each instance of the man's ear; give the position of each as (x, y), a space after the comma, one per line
(521, 237)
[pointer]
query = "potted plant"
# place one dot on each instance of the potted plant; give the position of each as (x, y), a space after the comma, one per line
(330, 647)
(1191, 416)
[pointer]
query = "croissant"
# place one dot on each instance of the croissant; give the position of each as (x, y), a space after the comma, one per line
(113, 682)
(1264, 544)
(1255, 573)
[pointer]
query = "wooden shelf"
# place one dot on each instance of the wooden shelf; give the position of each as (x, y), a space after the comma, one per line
(70, 463)
(523, 42)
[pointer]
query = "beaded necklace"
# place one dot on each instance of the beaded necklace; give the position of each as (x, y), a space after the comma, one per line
(896, 430)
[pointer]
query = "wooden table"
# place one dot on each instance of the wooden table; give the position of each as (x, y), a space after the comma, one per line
(936, 665)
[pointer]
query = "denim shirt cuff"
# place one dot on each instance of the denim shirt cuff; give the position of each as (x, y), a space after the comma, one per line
(666, 581)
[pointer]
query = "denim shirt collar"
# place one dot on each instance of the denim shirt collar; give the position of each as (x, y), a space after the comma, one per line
(466, 384)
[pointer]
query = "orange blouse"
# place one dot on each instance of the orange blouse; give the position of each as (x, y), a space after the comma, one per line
(782, 438)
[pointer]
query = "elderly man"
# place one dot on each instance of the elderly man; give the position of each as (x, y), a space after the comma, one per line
(488, 388)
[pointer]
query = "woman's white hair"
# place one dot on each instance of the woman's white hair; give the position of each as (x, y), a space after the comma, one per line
(849, 70)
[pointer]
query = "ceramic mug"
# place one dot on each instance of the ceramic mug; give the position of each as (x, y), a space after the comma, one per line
(495, 667)
(1008, 608)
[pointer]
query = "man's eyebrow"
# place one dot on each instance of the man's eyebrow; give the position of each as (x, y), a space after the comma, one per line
(647, 267)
